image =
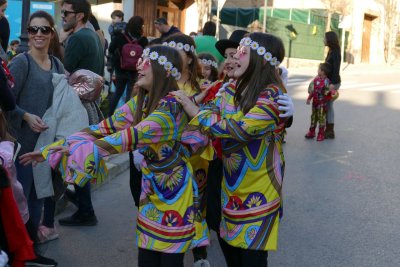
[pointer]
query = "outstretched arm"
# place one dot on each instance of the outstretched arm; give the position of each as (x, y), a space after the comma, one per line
(262, 118)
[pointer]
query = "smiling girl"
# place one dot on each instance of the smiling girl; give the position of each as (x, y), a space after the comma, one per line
(246, 118)
(154, 123)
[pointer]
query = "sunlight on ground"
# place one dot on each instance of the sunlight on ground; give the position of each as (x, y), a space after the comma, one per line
(389, 97)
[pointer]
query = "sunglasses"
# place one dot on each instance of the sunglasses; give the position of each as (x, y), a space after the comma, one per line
(46, 30)
(146, 63)
(65, 13)
(242, 50)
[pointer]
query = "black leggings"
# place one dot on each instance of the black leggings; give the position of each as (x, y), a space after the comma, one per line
(237, 257)
(150, 258)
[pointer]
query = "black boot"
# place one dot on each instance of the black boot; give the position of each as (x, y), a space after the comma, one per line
(329, 131)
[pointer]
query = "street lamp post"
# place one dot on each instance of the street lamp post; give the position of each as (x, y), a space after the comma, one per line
(23, 47)
(292, 33)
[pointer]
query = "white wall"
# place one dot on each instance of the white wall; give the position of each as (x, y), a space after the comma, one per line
(191, 19)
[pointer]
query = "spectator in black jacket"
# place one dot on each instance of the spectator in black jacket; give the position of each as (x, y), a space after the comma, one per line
(162, 26)
(124, 78)
(334, 58)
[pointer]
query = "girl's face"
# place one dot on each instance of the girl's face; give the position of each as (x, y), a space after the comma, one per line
(3, 8)
(242, 61)
(205, 71)
(186, 60)
(145, 74)
(229, 64)
(40, 33)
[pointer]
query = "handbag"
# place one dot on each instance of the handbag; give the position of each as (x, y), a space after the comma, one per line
(87, 84)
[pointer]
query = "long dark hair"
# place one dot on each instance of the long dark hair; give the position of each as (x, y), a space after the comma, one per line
(2, 2)
(135, 26)
(332, 40)
(54, 47)
(163, 83)
(259, 73)
(194, 68)
(4, 129)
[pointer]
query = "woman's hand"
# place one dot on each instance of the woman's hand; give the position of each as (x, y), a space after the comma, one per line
(286, 104)
(31, 158)
(190, 108)
(35, 123)
(36, 156)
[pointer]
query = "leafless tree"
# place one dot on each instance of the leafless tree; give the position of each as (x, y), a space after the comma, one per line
(204, 9)
(390, 17)
(336, 6)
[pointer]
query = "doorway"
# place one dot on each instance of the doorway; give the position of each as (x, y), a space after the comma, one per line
(366, 38)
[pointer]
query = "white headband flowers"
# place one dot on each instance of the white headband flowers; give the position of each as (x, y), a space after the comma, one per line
(260, 50)
(180, 46)
(163, 61)
(209, 62)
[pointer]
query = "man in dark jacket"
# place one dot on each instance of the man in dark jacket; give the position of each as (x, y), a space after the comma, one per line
(162, 26)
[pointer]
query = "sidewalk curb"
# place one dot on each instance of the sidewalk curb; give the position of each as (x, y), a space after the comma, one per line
(116, 165)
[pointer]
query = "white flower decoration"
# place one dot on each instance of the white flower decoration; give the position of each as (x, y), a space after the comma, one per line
(215, 65)
(204, 61)
(153, 55)
(261, 50)
(165, 44)
(174, 72)
(168, 66)
(179, 46)
(162, 60)
(178, 76)
(192, 49)
(247, 41)
(146, 52)
(209, 62)
(172, 44)
(268, 56)
(254, 45)
(273, 61)
(186, 47)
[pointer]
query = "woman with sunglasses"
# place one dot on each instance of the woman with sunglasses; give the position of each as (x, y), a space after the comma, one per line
(246, 118)
(32, 72)
(154, 123)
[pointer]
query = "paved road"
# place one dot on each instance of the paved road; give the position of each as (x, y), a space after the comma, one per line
(341, 197)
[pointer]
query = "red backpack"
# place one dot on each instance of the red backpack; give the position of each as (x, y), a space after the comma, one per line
(130, 54)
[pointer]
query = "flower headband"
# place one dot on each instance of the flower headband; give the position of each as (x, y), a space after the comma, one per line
(260, 50)
(163, 61)
(209, 62)
(180, 46)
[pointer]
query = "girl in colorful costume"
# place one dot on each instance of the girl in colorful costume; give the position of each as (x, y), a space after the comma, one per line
(153, 122)
(246, 118)
(191, 85)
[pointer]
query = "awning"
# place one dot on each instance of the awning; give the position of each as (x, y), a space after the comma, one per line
(241, 17)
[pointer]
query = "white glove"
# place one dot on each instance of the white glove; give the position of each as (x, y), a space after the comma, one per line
(137, 159)
(286, 104)
(284, 75)
(3, 259)
(222, 89)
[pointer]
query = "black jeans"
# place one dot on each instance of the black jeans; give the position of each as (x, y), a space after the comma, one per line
(84, 199)
(237, 257)
(150, 258)
(213, 192)
(122, 80)
(135, 180)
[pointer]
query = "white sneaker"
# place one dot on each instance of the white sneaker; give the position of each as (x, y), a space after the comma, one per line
(202, 263)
